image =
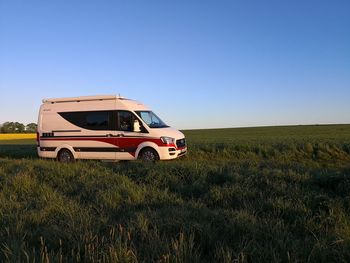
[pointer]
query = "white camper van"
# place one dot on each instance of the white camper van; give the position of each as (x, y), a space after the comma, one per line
(105, 127)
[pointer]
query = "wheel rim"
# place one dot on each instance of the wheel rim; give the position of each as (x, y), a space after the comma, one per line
(149, 156)
(65, 157)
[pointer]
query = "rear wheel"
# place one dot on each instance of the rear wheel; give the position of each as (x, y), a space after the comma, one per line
(65, 156)
(149, 155)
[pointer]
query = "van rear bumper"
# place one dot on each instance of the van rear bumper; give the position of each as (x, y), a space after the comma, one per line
(46, 152)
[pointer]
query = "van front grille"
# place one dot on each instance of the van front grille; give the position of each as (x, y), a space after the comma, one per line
(181, 143)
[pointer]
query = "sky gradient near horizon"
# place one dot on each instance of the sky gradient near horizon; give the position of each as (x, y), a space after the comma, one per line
(198, 64)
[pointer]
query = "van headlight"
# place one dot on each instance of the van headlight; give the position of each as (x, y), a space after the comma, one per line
(167, 140)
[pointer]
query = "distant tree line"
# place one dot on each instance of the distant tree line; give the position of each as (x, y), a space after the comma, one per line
(17, 127)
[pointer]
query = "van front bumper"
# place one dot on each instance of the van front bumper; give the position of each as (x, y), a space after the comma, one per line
(168, 153)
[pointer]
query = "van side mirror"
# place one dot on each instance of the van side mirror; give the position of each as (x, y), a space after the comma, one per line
(136, 126)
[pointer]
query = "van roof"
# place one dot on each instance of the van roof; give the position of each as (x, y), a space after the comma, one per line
(84, 98)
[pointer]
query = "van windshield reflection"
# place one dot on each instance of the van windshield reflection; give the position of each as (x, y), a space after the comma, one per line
(152, 120)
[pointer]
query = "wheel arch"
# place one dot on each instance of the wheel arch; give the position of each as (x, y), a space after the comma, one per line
(68, 147)
(145, 145)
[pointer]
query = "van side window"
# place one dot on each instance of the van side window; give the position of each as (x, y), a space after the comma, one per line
(97, 119)
(91, 120)
(126, 120)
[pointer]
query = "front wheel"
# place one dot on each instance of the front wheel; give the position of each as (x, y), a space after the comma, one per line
(149, 155)
(65, 156)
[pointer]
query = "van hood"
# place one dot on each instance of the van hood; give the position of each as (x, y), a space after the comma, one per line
(168, 132)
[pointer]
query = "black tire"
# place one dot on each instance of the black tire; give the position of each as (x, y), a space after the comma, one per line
(65, 156)
(148, 155)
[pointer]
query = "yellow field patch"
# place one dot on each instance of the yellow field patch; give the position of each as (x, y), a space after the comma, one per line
(17, 136)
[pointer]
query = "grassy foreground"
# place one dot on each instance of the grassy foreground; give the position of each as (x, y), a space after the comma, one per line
(274, 194)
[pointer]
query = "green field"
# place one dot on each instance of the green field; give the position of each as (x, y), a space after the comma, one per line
(271, 194)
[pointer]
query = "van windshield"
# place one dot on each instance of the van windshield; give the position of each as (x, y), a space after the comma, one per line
(152, 120)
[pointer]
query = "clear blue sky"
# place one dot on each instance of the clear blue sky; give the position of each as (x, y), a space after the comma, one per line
(198, 64)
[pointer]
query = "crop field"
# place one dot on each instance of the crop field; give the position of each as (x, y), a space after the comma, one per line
(269, 194)
(17, 138)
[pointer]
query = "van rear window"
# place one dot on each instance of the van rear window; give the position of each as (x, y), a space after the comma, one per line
(91, 120)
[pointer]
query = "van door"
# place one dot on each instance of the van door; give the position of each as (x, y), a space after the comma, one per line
(130, 133)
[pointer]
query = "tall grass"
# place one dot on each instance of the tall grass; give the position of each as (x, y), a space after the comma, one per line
(279, 196)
